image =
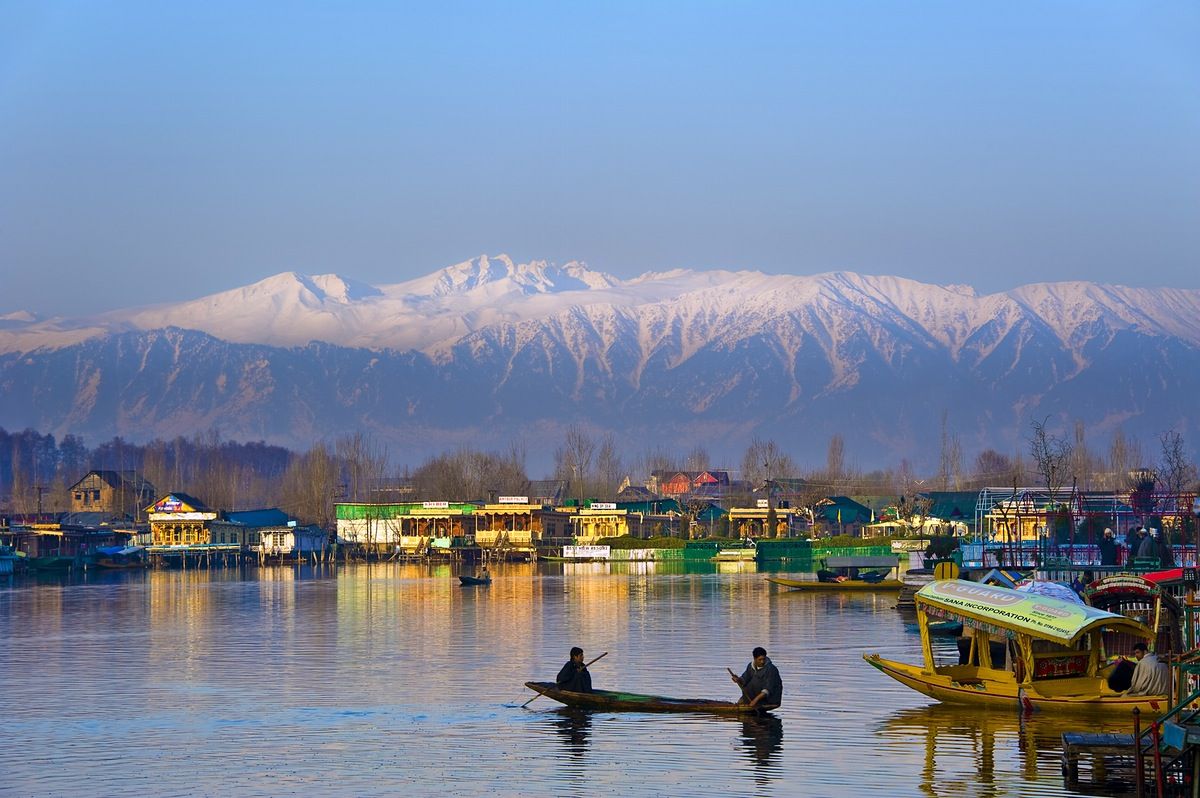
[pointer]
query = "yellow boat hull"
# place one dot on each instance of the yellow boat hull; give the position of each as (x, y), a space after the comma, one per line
(970, 685)
(838, 587)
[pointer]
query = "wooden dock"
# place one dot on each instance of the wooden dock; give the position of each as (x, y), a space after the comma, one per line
(1098, 747)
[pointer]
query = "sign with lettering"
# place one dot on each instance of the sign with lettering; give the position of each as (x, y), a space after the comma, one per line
(585, 552)
(763, 504)
(435, 505)
(169, 505)
(604, 505)
(514, 500)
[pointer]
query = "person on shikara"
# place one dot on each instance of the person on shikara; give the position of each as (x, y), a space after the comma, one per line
(574, 676)
(761, 684)
(1150, 676)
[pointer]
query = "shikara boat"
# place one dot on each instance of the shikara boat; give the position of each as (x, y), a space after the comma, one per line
(813, 585)
(611, 701)
(869, 574)
(1055, 651)
(1143, 600)
(471, 581)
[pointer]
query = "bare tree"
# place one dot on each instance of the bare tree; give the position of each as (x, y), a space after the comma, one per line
(608, 467)
(992, 468)
(1051, 455)
(765, 460)
(573, 460)
(1082, 465)
(1175, 472)
(697, 460)
(950, 462)
(835, 460)
(363, 463)
(1124, 455)
(310, 486)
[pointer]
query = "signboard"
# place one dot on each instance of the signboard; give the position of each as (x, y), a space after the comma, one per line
(435, 505)
(1191, 578)
(585, 552)
(169, 505)
(604, 505)
(763, 504)
(514, 500)
(182, 516)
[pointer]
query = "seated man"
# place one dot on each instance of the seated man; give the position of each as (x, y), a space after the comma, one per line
(761, 684)
(1150, 677)
(574, 676)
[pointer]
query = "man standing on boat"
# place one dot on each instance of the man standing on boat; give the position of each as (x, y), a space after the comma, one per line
(761, 684)
(574, 676)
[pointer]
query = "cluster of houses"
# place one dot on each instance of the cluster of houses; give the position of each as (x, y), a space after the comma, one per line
(121, 510)
(115, 516)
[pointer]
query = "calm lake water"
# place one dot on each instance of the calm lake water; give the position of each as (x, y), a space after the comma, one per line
(392, 680)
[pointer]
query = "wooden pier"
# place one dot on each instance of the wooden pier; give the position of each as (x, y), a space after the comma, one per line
(1099, 747)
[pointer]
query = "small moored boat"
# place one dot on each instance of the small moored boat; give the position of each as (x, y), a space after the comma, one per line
(848, 573)
(612, 701)
(471, 581)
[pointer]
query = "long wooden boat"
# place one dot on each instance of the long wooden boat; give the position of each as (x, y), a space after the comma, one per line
(612, 701)
(1056, 652)
(847, 585)
(471, 581)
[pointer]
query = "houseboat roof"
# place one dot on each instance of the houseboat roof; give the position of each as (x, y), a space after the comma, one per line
(1047, 618)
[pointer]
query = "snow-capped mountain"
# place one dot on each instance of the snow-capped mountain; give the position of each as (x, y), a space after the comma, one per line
(490, 349)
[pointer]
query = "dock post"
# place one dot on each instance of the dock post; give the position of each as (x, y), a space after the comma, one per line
(1139, 766)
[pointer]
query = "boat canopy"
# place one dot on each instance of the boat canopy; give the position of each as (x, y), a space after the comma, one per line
(885, 561)
(998, 609)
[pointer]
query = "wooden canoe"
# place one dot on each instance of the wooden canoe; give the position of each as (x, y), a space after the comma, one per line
(633, 702)
(838, 587)
(471, 581)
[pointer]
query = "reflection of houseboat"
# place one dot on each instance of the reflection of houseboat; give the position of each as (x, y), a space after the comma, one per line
(1055, 651)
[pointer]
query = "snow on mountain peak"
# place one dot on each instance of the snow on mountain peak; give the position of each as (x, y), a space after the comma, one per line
(499, 274)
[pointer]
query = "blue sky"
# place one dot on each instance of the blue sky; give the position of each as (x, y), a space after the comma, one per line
(158, 151)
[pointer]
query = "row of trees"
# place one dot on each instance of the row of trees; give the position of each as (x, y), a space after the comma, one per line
(36, 471)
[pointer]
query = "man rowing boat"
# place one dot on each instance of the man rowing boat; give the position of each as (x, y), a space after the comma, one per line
(575, 676)
(762, 687)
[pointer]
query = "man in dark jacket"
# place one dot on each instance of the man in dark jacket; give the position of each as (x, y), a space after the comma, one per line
(760, 682)
(1108, 548)
(574, 675)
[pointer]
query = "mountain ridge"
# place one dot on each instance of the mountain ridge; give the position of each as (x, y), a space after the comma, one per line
(490, 347)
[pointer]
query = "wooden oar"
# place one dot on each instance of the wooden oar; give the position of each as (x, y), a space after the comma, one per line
(745, 694)
(530, 701)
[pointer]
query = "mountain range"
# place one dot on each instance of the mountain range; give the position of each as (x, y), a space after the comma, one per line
(488, 351)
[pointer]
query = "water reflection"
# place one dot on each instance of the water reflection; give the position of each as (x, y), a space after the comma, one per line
(379, 679)
(762, 740)
(574, 726)
(970, 751)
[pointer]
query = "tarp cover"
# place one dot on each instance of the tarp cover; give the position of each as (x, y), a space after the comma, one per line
(1044, 617)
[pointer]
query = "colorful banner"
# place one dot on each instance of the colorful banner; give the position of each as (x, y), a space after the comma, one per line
(1041, 616)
